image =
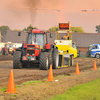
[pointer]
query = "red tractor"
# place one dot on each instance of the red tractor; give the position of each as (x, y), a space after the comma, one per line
(36, 50)
(8, 49)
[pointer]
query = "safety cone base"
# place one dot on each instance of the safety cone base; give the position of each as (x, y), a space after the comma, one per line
(95, 69)
(51, 80)
(77, 74)
(13, 92)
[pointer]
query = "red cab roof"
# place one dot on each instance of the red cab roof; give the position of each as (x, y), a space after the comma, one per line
(37, 31)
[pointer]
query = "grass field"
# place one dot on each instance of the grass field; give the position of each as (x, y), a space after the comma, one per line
(87, 91)
(74, 87)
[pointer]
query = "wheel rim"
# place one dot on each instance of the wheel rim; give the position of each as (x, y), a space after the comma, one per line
(97, 56)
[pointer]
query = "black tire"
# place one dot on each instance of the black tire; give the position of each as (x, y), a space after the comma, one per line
(25, 64)
(55, 58)
(3, 51)
(43, 61)
(71, 61)
(50, 57)
(28, 64)
(97, 56)
(17, 60)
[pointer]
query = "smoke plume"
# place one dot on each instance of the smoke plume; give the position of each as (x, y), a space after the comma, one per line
(17, 9)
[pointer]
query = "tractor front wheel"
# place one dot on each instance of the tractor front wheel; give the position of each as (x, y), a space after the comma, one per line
(17, 60)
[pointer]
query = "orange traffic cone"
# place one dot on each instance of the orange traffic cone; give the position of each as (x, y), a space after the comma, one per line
(50, 76)
(77, 69)
(11, 84)
(94, 67)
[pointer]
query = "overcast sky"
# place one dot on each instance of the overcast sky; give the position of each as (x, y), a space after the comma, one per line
(17, 15)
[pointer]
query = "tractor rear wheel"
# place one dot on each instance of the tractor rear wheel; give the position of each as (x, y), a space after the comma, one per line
(17, 60)
(55, 58)
(43, 61)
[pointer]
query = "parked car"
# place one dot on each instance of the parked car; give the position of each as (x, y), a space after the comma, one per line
(93, 51)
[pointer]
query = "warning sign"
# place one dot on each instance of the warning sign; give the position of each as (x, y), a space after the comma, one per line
(63, 26)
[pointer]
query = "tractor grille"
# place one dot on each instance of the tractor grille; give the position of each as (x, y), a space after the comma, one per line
(30, 52)
(30, 45)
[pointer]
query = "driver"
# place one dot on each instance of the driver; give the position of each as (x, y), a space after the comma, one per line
(66, 37)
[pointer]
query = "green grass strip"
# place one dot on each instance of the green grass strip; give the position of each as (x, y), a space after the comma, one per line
(30, 82)
(25, 83)
(86, 91)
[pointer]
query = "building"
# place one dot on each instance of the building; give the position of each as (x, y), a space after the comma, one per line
(82, 40)
(12, 36)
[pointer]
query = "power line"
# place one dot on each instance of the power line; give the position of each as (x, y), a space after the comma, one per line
(90, 10)
(42, 9)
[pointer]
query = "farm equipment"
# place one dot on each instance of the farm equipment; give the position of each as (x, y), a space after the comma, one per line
(8, 49)
(66, 51)
(94, 51)
(36, 51)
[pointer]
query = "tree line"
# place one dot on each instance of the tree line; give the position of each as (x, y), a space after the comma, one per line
(4, 29)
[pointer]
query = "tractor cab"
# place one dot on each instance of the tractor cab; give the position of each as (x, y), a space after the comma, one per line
(37, 37)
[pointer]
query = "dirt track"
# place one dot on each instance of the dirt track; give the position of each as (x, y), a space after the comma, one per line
(23, 75)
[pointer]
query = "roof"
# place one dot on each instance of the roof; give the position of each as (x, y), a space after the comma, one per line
(12, 36)
(86, 39)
